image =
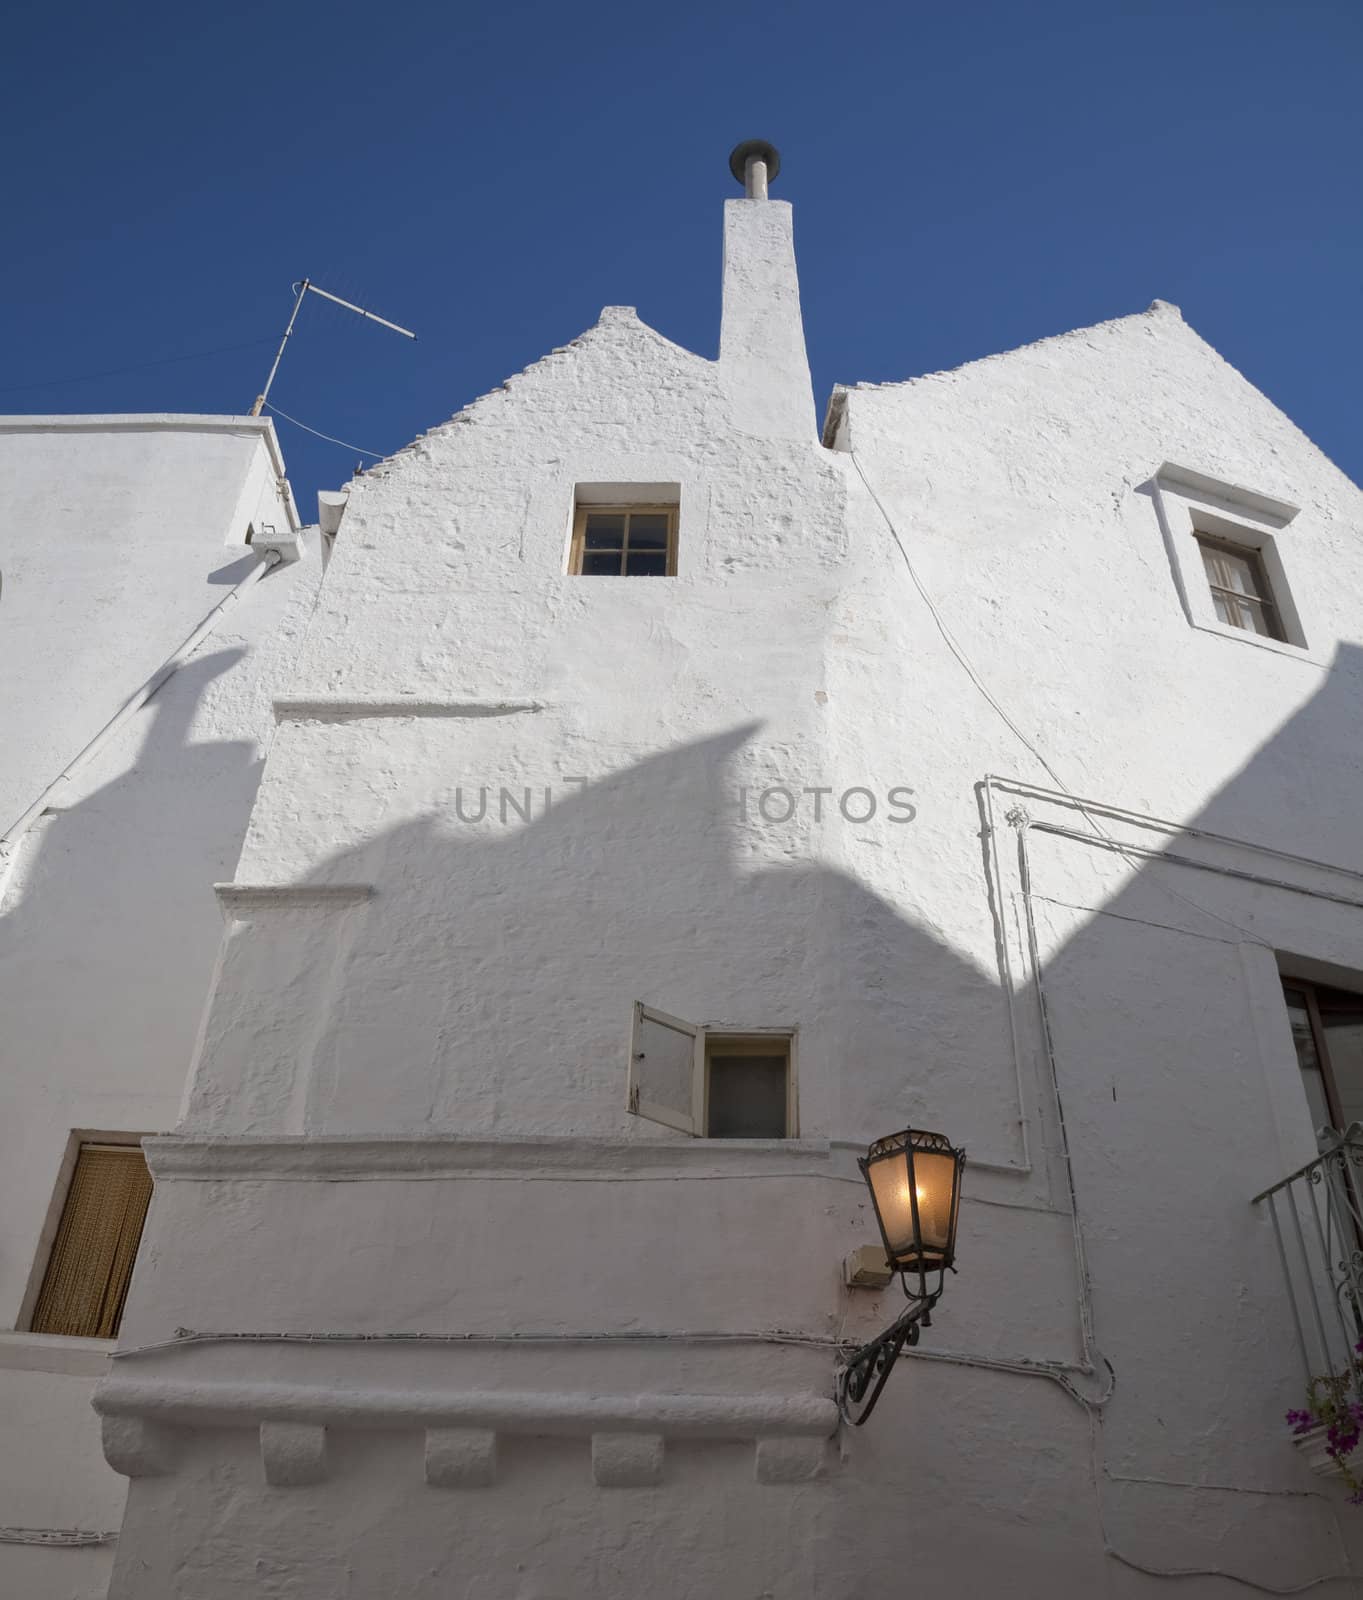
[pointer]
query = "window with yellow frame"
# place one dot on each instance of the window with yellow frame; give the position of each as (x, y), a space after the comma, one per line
(624, 542)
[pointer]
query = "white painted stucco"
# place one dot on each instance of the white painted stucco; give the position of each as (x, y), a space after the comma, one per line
(418, 1237)
(119, 537)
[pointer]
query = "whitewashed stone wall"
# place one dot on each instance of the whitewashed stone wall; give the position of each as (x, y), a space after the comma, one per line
(120, 534)
(406, 1150)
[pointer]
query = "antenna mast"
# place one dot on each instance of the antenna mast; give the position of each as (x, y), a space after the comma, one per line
(303, 289)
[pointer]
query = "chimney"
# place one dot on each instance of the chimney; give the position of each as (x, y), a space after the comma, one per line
(762, 360)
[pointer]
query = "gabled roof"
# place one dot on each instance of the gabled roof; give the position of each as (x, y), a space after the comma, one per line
(615, 326)
(837, 401)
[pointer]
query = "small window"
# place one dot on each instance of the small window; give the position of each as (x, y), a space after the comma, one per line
(747, 1087)
(625, 542)
(1239, 586)
(1327, 1030)
(91, 1264)
(711, 1084)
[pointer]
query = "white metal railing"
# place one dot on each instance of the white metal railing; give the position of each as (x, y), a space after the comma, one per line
(1317, 1215)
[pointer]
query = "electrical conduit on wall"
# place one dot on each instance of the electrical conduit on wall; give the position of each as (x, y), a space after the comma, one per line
(13, 838)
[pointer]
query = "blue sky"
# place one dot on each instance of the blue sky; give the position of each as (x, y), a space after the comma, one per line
(967, 177)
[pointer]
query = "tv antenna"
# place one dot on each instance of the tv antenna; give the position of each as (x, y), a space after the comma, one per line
(305, 288)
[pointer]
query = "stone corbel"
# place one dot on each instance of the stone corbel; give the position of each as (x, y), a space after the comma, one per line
(138, 1448)
(627, 1460)
(461, 1458)
(293, 1453)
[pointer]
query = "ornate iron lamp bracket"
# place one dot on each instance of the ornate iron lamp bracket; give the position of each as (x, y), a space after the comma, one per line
(864, 1372)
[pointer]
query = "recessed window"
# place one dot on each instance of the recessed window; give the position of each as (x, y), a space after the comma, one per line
(748, 1087)
(625, 541)
(1239, 586)
(1230, 549)
(91, 1264)
(711, 1083)
(1327, 1029)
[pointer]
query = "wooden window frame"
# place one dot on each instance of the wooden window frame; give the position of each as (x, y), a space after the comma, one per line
(1333, 1105)
(682, 1119)
(52, 1237)
(1307, 990)
(775, 1041)
(1239, 605)
(1190, 506)
(579, 542)
(709, 1039)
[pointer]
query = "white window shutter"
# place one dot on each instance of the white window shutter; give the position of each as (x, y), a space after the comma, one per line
(666, 1069)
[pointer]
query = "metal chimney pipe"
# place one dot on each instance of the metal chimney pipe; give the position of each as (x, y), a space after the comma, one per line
(755, 163)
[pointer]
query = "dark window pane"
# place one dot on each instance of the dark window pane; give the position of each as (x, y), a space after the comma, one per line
(1256, 617)
(604, 530)
(1239, 585)
(601, 561)
(747, 1097)
(1308, 1059)
(1237, 573)
(648, 531)
(646, 563)
(1341, 1019)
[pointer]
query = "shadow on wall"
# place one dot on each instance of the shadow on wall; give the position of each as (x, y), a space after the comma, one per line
(109, 928)
(488, 985)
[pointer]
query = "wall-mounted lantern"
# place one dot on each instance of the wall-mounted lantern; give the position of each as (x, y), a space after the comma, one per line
(915, 1184)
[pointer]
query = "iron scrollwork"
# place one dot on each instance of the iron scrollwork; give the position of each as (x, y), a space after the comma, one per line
(864, 1371)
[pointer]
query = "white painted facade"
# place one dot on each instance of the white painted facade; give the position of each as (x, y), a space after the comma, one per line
(424, 1311)
(122, 540)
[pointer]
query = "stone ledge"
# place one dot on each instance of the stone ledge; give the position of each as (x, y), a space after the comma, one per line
(254, 896)
(55, 1353)
(1179, 478)
(334, 710)
(176, 1403)
(358, 1156)
(142, 1422)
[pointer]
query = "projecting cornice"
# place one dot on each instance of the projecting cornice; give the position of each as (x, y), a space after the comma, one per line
(144, 1422)
(341, 1157)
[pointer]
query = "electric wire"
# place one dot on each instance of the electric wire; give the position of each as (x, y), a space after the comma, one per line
(13, 835)
(1058, 1372)
(330, 439)
(1184, 830)
(1094, 1408)
(63, 1538)
(1087, 1335)
(983, 689)
(1109, 1549)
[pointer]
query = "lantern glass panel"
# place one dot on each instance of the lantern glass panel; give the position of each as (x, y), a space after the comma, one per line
(934, 1178)
(890, 1189)
(919, 1167)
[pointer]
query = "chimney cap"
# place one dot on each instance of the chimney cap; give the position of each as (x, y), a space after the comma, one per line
(759, 148)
